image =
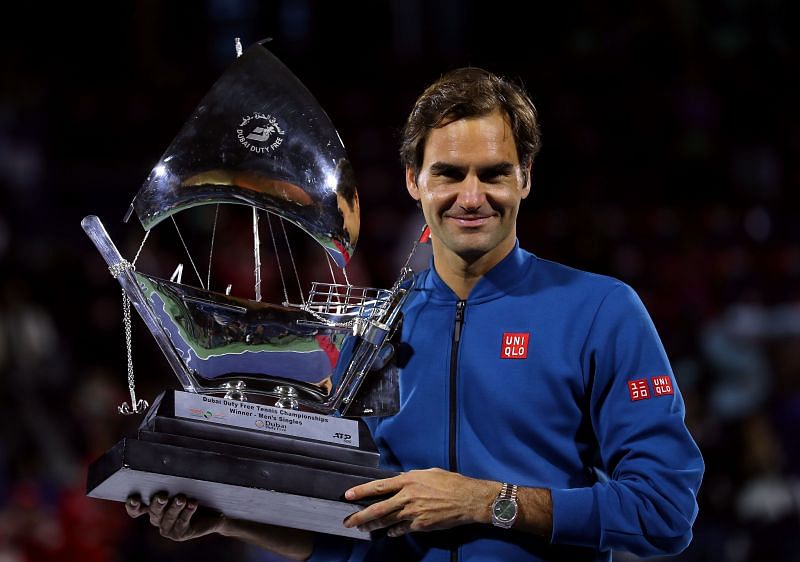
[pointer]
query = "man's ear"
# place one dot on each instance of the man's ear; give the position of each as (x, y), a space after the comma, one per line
(411, 183)
(526, 177)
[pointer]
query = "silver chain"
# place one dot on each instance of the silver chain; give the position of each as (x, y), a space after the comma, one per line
(139, 406)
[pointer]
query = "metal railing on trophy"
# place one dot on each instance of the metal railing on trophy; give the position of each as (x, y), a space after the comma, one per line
(344, 306)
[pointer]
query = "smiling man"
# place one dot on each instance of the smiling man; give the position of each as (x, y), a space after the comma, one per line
(539, 417)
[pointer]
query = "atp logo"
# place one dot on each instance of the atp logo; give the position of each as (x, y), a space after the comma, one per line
(260, 133)
(346, 437)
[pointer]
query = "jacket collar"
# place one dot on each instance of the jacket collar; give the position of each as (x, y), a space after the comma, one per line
(497, 282)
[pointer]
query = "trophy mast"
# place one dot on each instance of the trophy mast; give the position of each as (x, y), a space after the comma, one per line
(256, 238)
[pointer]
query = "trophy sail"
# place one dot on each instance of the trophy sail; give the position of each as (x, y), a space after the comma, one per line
(259, 138)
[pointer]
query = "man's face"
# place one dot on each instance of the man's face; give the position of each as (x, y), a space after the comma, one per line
(470, 186)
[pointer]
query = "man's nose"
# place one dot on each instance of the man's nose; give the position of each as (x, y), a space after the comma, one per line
(472, 193)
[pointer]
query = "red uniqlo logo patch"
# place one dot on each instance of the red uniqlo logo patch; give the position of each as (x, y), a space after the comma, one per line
(515, 346)
(639, 389)
(662, 385)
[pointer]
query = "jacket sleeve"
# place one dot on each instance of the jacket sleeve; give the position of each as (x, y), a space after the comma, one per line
(647, 504)
(331, 548)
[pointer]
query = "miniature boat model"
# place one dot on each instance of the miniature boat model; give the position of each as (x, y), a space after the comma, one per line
(259, 138)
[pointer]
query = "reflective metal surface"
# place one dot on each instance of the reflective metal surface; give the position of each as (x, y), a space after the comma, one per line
(259, 138)
(217, 336)
(228, 346)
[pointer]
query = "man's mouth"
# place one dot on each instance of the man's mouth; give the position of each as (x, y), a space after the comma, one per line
(470, 221)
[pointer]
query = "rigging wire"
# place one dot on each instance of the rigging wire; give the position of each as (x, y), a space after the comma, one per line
(278, 259)
(294, 266)
(139, 251)
(211, 252)
(178, 230)
(334, 285)
(257, 255)
(330, 266)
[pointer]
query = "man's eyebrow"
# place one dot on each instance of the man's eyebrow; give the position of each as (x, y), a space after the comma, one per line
(500, 168)
(443, 168)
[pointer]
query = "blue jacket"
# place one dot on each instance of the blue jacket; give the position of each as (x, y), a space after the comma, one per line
(550, 377)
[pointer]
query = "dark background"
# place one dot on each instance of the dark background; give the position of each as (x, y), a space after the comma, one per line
(671, 160)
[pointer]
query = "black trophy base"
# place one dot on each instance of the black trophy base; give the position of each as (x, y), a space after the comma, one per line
(245, 474)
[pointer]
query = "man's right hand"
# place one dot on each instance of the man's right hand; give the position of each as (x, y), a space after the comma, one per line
(180, 519)
(177, 518)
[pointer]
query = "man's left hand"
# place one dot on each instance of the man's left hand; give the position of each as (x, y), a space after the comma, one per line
(423, 500)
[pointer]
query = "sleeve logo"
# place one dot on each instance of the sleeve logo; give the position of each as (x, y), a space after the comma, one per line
(514, 346)
(639, 389)
(662, 385)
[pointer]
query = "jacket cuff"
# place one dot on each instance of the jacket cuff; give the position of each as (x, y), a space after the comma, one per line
(576, 520)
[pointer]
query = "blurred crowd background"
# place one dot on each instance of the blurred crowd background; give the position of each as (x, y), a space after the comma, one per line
(671, 160)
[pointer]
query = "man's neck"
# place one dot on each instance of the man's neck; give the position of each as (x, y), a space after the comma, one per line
(461, 274)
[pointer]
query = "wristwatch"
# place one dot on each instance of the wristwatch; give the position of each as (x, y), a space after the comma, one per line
(504, 507)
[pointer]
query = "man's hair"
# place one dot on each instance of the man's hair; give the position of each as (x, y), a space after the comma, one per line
(467, 93)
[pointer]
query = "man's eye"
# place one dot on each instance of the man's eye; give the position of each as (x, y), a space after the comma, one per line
(450, 175)
(496, 178)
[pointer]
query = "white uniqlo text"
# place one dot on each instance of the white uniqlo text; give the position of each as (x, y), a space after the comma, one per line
(662, 385)
(515, 346)
(639, 389)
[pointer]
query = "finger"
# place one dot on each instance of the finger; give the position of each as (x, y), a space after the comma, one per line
(382, 522)
(157, 504)
(373, 513)
(375, 488)
(184, 519)
(172, 512)
(134, 507)
(400, 529)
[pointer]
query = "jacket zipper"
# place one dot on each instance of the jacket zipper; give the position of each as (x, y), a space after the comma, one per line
(453, 402)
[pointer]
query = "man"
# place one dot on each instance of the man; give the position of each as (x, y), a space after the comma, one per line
(539, 416)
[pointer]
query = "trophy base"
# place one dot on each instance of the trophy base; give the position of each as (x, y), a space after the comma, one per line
(246, 482)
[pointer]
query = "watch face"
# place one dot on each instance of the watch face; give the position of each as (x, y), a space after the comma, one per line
(505, 509)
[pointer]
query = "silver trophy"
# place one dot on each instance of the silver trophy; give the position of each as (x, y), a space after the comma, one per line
(266, 425)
